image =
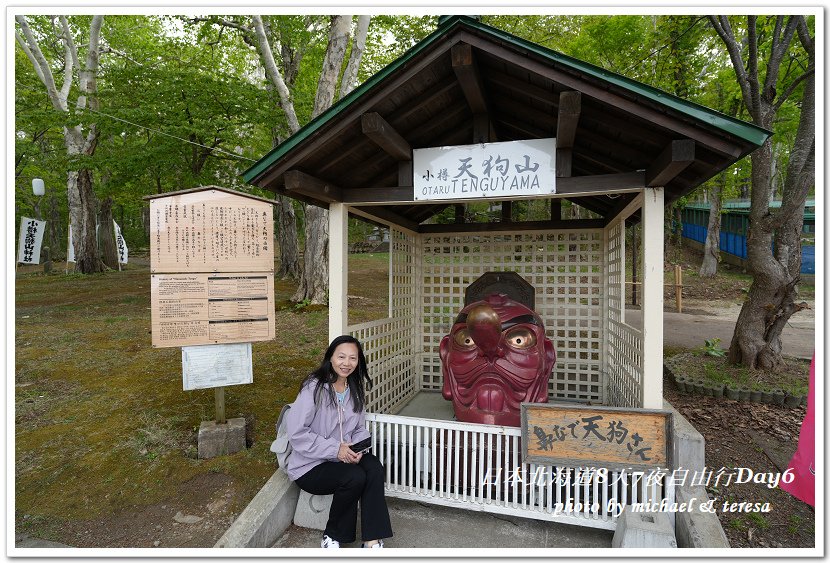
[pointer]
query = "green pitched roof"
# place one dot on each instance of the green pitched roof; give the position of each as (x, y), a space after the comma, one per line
(735, 127)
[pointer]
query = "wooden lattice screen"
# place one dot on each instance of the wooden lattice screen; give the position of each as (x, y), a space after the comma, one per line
(578, 276)
(625, 344)
(565, 267)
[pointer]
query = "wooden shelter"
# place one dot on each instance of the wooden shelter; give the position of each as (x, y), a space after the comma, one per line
(623, 151)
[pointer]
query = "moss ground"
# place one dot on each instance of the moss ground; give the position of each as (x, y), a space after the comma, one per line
(101, 420)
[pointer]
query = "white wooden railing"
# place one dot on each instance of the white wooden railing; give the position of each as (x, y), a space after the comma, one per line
(478, 467)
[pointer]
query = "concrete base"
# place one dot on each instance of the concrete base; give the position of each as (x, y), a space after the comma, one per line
(221, 439)
(643, 529)
(312, 511)
(267, 517)
(696, 528)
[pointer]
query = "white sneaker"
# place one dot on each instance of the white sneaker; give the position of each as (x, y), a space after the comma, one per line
(330, 543)
(376, 546)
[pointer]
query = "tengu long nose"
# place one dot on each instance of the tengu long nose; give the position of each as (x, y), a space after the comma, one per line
(484, 326)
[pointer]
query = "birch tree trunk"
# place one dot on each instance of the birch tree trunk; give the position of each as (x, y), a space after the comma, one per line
(314, 281)
(772, 298)
(711, 249)
(80, 140)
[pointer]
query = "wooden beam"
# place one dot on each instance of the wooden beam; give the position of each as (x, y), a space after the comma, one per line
(578, 185)
(672, 161)
(468, 76)
(385, 136)
(315, 188)
(405, 173)
(506, 211)
(555, 209)
(358, 196)
(481, 128)
(512, 226)
(570, 106)
(600, 184)
(385, 216)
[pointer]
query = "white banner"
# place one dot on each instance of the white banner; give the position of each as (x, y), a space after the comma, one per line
(31, 238)
(121, 245)
(487, 170)
(70, 248)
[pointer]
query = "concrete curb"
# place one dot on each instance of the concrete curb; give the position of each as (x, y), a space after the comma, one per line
(693, 528)
(267, 517)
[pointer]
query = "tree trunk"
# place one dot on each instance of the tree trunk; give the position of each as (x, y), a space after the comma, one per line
(82, 218)
(314, 280)
(349, 79)
(313, 287)
(106, 234)
(54, 228)
(287, 239)
(756, 342)
(711, 250)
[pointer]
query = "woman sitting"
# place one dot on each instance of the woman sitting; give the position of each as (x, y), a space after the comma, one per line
(328, 416)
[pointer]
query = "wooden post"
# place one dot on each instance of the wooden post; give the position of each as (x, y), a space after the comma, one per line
(653, 240)
(678, 287)
(219, 393)
(338, 269)
(634, 249)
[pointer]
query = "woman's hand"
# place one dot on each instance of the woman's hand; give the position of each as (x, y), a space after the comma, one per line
(346, 455)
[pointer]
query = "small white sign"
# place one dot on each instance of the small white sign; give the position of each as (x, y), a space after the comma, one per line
(31, 239)
(488, 170)
(216, 365)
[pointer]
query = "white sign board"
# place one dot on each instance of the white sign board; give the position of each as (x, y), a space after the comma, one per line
(216, 365)
(489, 170)
(31, 238)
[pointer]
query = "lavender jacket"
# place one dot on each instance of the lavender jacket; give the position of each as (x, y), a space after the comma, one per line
(314, 430)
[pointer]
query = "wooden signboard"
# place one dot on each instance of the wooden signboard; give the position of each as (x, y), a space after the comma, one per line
(194, 309)
(211, 230)
(587, 436)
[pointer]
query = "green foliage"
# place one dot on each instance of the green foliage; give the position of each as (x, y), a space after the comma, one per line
(711, 347)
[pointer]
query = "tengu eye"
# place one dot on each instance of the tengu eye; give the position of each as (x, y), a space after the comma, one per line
(463, 339)
(520, 338)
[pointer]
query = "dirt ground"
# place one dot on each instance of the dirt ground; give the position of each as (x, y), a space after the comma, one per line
(763, 438)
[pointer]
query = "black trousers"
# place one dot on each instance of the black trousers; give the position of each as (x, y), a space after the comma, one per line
(350, 483)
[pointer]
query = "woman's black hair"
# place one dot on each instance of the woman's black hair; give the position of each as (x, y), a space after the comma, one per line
(325, 374)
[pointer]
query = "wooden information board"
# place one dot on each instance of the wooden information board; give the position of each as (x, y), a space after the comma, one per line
(192, 309)
(211, 230)
(588, 436)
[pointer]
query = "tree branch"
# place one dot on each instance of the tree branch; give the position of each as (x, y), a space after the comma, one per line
(349, 79)
(70, 59)
(791, 88)
(32, 50)
(779, 49)
(752, 74)
(724, 30)
(274, 75)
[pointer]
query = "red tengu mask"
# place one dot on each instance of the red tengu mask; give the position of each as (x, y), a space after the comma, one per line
(495, 357)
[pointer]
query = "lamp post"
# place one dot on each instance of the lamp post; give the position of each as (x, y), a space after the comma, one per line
(39, 189)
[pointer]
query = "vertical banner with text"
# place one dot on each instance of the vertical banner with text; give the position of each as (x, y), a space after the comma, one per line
(31, 239)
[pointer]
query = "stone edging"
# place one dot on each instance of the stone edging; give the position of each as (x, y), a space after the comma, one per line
(711, 389)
